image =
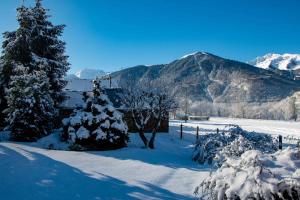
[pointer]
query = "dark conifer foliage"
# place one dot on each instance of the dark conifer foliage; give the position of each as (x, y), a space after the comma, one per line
(30, 107)
(49, 50)
(16, 50)
(32, 67)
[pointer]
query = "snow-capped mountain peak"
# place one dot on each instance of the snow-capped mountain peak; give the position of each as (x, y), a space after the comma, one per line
(192, 54)
(278, 61)
(89, 73)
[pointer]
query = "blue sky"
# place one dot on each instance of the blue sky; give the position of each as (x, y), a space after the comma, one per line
(114, 34)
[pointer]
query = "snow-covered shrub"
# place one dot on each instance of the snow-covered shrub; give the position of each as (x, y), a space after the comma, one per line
(99, 126)
(232, 142)
(235, 149)
(256, 176)
(208, 146)
(260, 141)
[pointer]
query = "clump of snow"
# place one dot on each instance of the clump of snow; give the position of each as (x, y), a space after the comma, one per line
(255, 175)
(52, 141)
(82, 133)
(231, 142)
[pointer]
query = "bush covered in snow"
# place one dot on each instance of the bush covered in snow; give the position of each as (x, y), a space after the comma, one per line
(232, 142)
(99, 126)
(255, 176)
(234, 150)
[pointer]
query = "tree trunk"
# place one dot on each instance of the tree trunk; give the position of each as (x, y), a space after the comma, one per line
(154, 131)
(143, 137)
(151, 142)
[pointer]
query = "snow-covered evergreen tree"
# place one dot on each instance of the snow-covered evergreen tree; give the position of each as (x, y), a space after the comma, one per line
(3, 103)
(25, 81)
(49, 50)
(30, 107)
(98, 126)
(16, 49)
(35, 45)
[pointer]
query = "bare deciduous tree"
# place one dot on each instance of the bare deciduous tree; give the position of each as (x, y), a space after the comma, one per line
(148, 99)
(136, 99)
(164, 103)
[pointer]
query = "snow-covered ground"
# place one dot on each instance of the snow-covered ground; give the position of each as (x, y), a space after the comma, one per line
(274, 127)
(28, 171)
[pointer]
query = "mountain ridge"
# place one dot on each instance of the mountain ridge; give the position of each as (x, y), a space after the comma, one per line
(273, 61)
(86, 73)
(215, 79)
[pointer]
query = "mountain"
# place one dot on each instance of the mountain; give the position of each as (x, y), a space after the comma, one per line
(278, 61)
(207, 77)
(89, 73)
(71, 77)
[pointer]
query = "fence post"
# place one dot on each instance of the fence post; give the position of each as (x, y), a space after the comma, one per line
(280, 141)
(298, 144)
(181, 134)
(197, 134)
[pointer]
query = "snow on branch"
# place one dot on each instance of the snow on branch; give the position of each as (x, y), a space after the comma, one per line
(214, 148)
(255, 175)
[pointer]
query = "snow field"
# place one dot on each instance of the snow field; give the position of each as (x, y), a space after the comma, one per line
(290, 130)
(30, 171)
(130, 173)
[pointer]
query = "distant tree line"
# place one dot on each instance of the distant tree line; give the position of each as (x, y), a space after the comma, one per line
(278, 110)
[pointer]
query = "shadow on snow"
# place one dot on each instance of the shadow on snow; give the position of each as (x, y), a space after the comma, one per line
(40, 177)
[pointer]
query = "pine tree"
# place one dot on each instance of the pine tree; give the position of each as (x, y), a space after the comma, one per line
(16, 49)
(28, 104)
(30, 107)
(3, 103)
(49, 50)
(99, 125)
(41, 43)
